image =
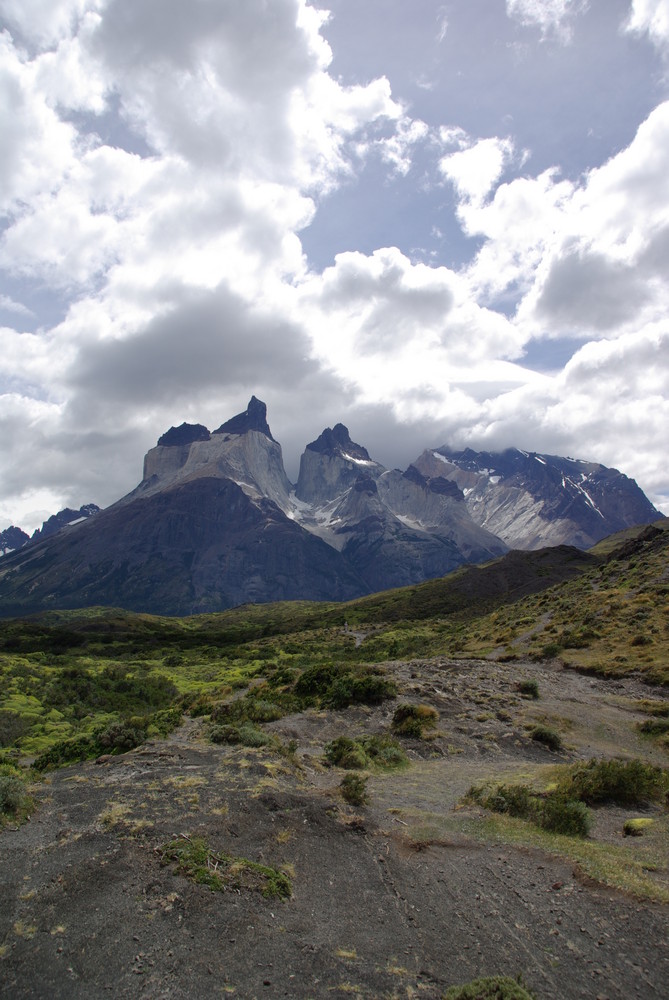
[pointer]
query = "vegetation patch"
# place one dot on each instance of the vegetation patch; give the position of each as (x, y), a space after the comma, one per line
(637, 827)
(353, 788)
(490, 988)
(528, 689)
(340, 685)
(365, 751)
(618, 782)
(193, 858)
(548, 738)
(414, 720)
(15, 801)
(245, 734)
(552, 811)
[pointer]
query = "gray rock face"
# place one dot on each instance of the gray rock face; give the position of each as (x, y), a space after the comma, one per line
(532, 500)
(331, 464)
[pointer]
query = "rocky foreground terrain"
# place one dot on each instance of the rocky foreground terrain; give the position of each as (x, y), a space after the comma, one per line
(399, 897)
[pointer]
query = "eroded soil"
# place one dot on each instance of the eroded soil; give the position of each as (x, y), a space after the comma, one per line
(397, 898)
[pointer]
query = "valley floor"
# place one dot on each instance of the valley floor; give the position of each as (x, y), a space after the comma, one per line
(399, 898)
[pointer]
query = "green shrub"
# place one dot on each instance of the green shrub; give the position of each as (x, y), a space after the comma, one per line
(166, 720)
(377, 751)
(339, 685)
(384, 751)
(225, 734)
(414, 720)
(551, 650)
(654, 727)
(529, 689)
(347, 753)
(548, 737)
(353, 788)
(68, 751)
(12, 727)
(551, 811)
(489, 988)
(12, 794)
(120, 736)
(620, 782)
(636, 827)
(515, 800)
(246, 734)
(559, 815)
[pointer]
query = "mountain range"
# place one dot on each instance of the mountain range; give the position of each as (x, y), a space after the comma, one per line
(215, 522)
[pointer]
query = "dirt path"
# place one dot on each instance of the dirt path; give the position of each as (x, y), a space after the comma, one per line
(88, 911)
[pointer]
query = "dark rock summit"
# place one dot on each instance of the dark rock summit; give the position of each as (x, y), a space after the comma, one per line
(254, 418)
(12, 538)
(183, 434)
(336, 441)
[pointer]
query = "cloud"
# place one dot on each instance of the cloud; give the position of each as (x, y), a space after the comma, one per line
(177, 248)
(8, 303)
(651, 17)
(475, 169)
(586, 290)
(552, 17)
(208, 340)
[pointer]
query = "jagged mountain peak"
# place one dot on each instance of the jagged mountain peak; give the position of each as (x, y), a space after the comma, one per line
(254, 418)
(337, 441)
(183, 434)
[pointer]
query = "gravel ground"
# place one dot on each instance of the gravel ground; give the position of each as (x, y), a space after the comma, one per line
(88, 910)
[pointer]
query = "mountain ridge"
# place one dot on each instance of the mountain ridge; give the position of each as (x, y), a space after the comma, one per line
(216, 522)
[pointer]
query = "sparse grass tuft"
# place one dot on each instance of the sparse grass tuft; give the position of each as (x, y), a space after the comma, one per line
(193, 858)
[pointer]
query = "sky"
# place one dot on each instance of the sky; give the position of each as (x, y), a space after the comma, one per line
(436, 222)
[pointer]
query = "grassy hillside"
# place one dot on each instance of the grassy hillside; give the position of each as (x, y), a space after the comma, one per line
(77, 673)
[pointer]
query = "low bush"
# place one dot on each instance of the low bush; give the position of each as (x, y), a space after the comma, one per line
(355, 755)
(620, 782)
(636, 827)
(340, 685)
(414, 720)
(548, 737)
(347, 753)
(560, 815)
(12, 794)
(68, 751)
(551, 811)
(528, 689)
(384, 751)
(353, 788)
(654, 727)
(120, 737)
(246, 734)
